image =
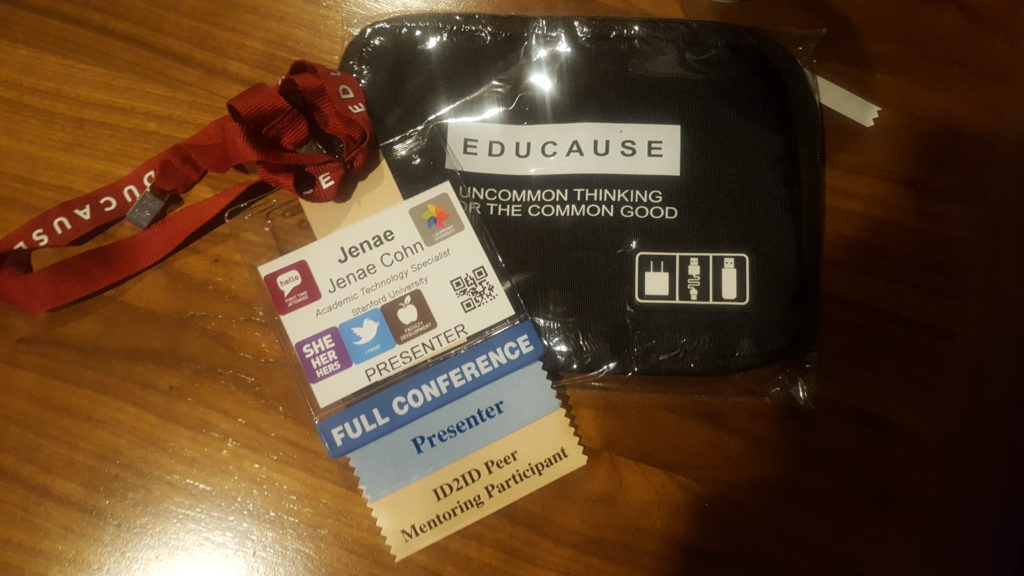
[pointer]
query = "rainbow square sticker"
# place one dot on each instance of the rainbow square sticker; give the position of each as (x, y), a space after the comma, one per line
(436, 219)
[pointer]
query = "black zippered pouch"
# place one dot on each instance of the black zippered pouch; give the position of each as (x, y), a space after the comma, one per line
(653, 186)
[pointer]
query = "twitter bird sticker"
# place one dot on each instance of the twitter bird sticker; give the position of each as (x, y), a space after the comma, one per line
(366, 336)
(366, 332)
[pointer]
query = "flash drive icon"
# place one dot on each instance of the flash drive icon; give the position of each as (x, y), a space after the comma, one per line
(729, 279)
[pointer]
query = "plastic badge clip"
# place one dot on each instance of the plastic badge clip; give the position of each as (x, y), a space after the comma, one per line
(147, 209)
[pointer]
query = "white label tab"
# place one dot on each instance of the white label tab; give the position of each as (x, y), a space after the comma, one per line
(582, 148)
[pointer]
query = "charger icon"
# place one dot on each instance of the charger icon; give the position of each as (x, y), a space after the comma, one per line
(656, 277)
(656, 283)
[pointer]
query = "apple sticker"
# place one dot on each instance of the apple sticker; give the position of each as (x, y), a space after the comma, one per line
(408, 316)
(407, 312)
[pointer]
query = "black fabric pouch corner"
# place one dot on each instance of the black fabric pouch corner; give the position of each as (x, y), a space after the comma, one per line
(653, 186)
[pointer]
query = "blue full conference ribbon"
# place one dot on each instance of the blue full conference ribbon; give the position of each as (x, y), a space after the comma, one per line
(453, 432)
(433, 388)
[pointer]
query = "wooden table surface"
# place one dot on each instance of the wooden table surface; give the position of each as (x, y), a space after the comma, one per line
(156, 429)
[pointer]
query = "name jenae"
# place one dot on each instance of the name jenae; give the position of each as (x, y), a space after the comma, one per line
(365, 246)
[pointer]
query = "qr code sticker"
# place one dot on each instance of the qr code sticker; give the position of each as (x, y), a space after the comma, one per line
(474, 289)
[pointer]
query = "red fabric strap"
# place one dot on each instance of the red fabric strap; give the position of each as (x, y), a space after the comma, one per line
(313, 107)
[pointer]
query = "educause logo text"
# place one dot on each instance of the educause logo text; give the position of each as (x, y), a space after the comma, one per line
(581, 148)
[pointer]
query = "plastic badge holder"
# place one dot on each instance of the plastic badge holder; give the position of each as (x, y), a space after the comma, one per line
(276, 225)
(654, 186)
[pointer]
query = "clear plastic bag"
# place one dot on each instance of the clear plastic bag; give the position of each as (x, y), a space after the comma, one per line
(653, 186)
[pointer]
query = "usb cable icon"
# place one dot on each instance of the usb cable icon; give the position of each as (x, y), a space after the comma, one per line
(693, 271)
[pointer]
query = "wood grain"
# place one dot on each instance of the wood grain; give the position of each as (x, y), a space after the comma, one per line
(155, 429)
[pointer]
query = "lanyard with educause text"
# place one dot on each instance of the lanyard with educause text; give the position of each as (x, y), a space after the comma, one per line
(275, 127)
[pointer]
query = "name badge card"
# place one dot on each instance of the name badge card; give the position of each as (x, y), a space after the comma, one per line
(370, 301)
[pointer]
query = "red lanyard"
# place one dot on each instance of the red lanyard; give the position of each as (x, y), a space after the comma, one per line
(313, 107)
